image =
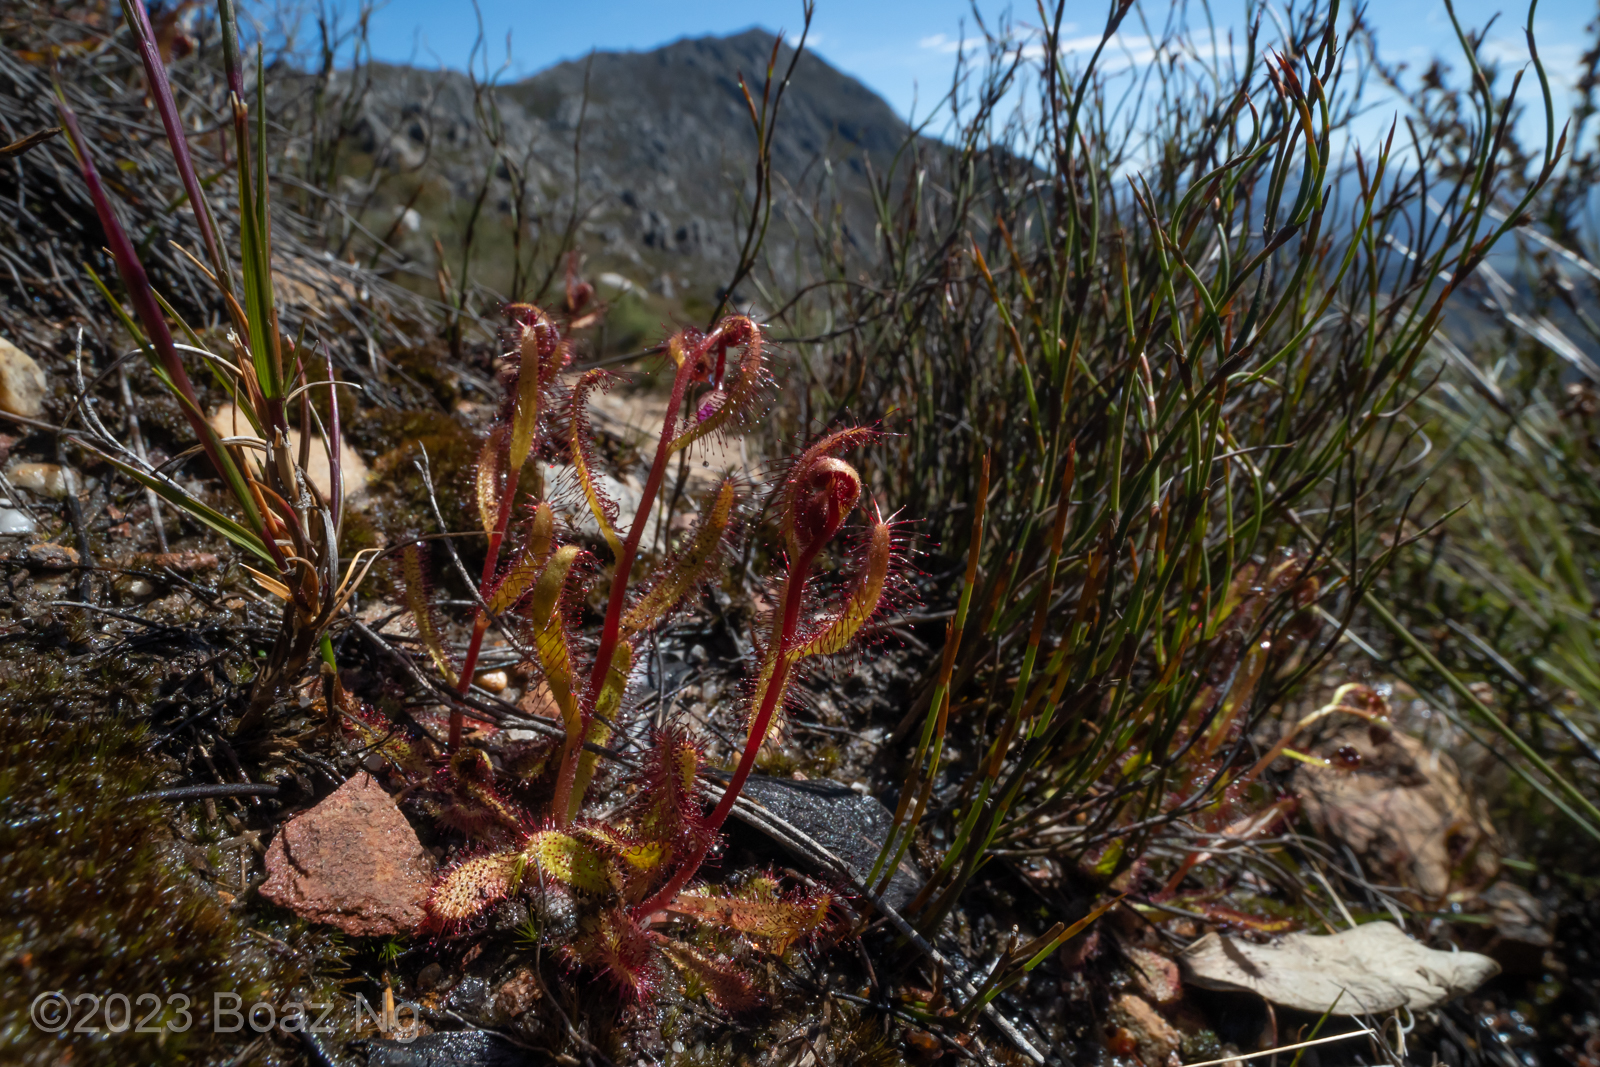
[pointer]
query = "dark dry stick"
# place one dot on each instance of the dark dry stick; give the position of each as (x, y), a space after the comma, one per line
(210, 792)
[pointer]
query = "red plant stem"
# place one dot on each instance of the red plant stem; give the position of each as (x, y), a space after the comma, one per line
(612, 629)
(630, 548)
(793, 596)
(161, 90)
(142, 296)
(481, 623)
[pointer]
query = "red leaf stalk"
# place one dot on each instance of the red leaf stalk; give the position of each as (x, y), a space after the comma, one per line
(542, 356)
(822, 491)
(693, 354)
(161, 90)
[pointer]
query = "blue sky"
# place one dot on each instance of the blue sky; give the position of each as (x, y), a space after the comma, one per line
(903, 49)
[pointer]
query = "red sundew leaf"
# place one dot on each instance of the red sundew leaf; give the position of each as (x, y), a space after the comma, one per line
(780, 923)
(723, 983)
(613, 945)
(468, 799)
(667, 805)
(725, 404)
(469, 887)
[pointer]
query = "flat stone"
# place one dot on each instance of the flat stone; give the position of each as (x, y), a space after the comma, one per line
(23, 385)
(352, 862)
(851, 826)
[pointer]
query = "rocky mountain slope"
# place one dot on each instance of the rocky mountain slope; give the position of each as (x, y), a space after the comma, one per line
(663, 149)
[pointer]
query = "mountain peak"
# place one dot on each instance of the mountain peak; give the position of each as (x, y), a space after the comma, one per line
(667, 149)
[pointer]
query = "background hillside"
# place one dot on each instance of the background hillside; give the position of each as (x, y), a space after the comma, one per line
(661, 144)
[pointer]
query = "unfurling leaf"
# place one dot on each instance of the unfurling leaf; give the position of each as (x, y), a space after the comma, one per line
(413, 576)
(723, 404)
(679, 576)
(603, 509)
(821, 490)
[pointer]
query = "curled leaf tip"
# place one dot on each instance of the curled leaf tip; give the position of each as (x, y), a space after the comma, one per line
(821, 496)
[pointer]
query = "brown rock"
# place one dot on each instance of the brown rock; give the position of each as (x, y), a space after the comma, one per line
(353, 474)
(519, 993)
(1156, 976)
(1155, 1039)
(22, 382)
(352, 862)
(49, 556)
(494, 681)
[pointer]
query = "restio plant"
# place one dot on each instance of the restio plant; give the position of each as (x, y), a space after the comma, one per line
(282, 519)
(527, 808)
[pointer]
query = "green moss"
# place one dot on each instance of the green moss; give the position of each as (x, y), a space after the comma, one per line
(98, 897)
(429, 367)
(400, 505)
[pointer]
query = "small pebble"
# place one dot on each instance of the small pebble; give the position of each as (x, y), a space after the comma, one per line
(14, 521)
(46, 479)
(699, 655)
(22, 382)
(140, 588)
(431, 977)
(494, 681)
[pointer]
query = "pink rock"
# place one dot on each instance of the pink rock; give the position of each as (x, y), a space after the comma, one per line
(1156, 976)
(352, 862)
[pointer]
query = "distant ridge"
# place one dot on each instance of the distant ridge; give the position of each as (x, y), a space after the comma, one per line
(667, 150)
